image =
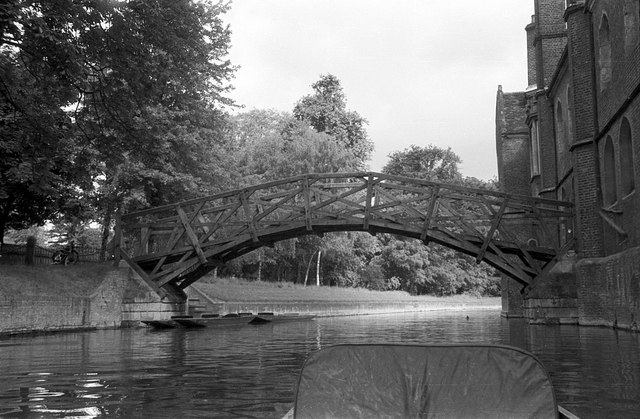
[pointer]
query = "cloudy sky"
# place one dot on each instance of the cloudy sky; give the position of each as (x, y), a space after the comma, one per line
(420, 71)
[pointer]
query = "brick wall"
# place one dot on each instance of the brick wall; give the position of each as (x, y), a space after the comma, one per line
(532, 75)
(512, 142)
(584, 154)
(618, 99)
(625, 212)
(514, 172)
(551, 38)
(625, 61)
(609, 290)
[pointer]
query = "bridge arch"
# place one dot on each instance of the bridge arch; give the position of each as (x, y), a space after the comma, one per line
(173, 246)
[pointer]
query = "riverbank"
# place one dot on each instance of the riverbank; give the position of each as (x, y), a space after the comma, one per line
(35, 299)
(228, 295)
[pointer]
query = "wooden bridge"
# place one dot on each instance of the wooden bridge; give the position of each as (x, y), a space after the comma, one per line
(172, 246)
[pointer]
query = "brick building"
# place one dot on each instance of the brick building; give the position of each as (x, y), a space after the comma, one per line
(574, 134)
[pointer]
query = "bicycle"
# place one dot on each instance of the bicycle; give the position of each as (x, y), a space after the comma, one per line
(66, 256)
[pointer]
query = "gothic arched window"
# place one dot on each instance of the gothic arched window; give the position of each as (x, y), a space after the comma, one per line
(535, 148)
(609, 192)
(569, 115)
(604, 56)
(627, 171)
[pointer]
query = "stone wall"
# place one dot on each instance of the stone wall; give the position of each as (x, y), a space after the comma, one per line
(44, 313)
(140, 302)
(609, 290)
(122, 299)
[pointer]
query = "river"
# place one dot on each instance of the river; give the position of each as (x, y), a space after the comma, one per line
(250, 372)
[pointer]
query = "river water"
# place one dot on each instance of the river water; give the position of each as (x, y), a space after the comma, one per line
(250, 371)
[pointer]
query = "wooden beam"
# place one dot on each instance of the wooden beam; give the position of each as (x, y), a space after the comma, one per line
(222, 219)
(429, 214)
(145, 234)
(191, 235)
(492, 230)
(307, 204)
(158, 290)
(249, 217)
(175, 273)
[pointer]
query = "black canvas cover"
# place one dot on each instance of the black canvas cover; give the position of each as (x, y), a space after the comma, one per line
(410, 381)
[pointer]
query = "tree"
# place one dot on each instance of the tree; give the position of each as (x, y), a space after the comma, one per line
(431, 163)
(132, 89)
(406, 260)
(269, 145)
(37, 170)
(325, 110)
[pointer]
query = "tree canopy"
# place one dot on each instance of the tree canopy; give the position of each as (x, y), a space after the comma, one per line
(117, 101)
(326, 111)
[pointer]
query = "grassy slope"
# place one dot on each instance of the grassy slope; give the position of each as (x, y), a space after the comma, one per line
(83, 279)
(78, 280)
(229, 289)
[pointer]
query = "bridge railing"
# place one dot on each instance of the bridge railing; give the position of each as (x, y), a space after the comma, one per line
(172, 241)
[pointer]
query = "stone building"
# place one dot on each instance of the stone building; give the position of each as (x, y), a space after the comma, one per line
(574, 134)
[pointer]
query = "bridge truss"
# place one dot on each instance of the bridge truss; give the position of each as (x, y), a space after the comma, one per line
(173, 246)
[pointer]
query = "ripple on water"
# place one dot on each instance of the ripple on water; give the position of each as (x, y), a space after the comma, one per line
(251, 371)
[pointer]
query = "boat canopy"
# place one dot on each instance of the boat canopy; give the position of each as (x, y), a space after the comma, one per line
(436, 381)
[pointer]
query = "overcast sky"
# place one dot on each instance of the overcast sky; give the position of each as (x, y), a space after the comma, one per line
(420, 71)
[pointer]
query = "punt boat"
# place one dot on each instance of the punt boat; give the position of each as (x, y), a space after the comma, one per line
(232, 319)
(418, 381)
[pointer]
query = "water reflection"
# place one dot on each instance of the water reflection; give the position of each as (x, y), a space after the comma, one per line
(251, 371)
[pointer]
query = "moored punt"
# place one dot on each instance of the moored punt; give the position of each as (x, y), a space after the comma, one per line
(232, 319)
(426, 381)
(160, 324)
(263, 318)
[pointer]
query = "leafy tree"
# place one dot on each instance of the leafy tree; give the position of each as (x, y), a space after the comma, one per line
(37, 168)
(431, 163)
(406, 260)
(325, 110)
(347, 256)
(123, 99)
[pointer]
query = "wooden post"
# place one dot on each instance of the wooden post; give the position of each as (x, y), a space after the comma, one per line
(30, 251)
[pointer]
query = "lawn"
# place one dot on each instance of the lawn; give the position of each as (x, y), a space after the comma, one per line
(234, 289)
(83, 279)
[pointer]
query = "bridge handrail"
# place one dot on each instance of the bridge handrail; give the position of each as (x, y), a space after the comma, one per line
(348, 175)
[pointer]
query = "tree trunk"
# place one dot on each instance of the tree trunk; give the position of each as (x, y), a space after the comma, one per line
(260, 265)
(318, 269)
(4, 216)
(306, 275)
(106, 229)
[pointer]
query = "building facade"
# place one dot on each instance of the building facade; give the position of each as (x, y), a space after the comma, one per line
(574, 135)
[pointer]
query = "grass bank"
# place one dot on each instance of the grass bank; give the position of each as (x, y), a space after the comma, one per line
(234, 289)
(82, 280)
(76, 280)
